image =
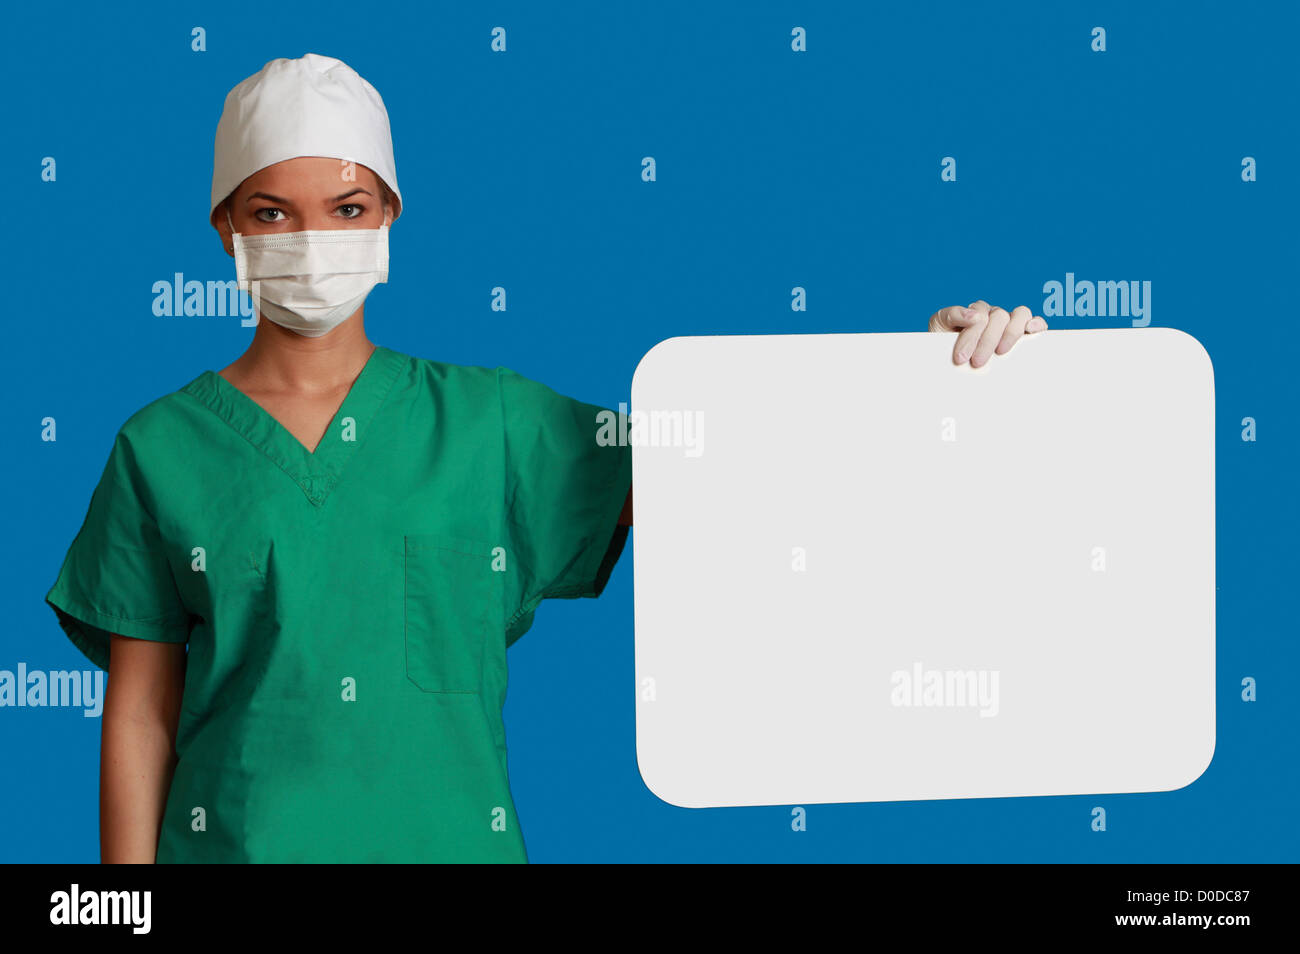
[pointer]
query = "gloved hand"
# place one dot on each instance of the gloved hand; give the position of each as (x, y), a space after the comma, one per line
(983, 329)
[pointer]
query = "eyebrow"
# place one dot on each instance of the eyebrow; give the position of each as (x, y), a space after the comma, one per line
(282, 201)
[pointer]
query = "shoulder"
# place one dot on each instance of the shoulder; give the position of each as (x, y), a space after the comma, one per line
(470, 381)
(164, 420)
(514, 396)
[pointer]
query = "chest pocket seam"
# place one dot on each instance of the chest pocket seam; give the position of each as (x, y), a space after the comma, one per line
(446, 610)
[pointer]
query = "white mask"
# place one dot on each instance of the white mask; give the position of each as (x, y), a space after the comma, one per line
(310, 281)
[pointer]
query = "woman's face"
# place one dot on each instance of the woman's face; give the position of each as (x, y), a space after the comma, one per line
(309, 192)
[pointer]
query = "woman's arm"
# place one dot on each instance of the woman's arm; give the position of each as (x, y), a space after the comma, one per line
(138, 753)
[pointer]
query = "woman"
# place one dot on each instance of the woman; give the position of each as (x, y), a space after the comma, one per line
(346, 537)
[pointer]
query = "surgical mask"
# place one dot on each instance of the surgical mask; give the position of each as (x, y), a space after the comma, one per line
(310, 281)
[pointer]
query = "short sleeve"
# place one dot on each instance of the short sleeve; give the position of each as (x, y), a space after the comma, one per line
(115, 577)
(567, 479)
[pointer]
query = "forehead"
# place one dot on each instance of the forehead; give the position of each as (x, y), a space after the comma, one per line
(310, 175)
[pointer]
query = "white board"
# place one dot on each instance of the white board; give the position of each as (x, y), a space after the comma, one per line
(828, 519)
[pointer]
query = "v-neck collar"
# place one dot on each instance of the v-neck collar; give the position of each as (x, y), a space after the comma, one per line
(315, 472)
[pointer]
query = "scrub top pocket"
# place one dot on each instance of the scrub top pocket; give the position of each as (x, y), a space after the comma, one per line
(448, 608)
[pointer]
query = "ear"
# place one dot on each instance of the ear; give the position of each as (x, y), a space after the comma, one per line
(222, 225)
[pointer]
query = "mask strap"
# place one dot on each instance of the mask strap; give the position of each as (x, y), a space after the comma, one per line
(228, 219)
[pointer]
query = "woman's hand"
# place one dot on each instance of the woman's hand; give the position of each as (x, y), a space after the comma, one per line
(984, 330)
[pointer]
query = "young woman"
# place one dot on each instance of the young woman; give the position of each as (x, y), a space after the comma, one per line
(346, 538)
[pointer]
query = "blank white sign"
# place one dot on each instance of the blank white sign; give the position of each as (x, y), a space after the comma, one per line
(865, 574)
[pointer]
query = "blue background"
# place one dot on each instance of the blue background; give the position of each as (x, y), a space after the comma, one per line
(775, 169)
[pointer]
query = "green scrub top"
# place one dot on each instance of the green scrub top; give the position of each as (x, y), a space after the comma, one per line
(347, 611)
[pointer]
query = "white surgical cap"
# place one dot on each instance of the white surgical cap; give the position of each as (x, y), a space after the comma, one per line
(313, 106)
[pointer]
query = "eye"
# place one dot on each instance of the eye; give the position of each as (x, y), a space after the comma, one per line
(357, 210)
(262, 216)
